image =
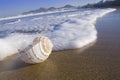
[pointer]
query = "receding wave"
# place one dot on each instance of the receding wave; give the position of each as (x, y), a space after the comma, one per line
(66, 31)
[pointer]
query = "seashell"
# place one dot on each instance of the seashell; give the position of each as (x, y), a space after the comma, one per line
(39, 51)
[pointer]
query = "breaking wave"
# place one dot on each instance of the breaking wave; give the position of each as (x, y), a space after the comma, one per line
(67, 30)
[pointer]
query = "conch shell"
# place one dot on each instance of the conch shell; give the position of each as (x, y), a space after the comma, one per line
(38, 51)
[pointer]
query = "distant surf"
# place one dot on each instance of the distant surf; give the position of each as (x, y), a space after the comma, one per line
(67, 30)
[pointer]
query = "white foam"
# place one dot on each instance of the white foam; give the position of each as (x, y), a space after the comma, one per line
(33, 14)
(66, 31)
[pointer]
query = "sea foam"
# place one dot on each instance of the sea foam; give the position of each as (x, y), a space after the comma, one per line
(67, 30)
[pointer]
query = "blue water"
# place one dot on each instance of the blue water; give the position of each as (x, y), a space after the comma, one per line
(36, 16)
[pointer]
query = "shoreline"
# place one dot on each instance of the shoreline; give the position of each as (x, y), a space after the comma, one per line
(94, 62)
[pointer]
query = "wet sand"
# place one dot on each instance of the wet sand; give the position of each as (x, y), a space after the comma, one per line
(97, 61)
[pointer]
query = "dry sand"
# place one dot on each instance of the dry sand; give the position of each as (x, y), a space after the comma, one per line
(97, 61)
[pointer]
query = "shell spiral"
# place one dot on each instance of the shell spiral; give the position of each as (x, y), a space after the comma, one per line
(39, 51)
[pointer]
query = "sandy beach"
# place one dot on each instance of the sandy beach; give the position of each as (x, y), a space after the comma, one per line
(98, 61)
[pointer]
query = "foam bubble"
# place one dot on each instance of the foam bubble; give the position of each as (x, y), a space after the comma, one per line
(66, 31)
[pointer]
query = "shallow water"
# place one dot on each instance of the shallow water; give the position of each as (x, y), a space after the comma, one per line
(98, 61)
(66, 30)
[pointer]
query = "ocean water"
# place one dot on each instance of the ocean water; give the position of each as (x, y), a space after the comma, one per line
(66, 30)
